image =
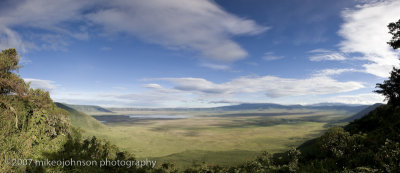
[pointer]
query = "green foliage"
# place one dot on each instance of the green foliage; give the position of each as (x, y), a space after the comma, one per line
(360, 146)
(394, 29)
(389, 156)
(338, 143)
(10, 83)
(33, 127)
(9, 61)
(78, 149)
(391, 88)
(30, 123)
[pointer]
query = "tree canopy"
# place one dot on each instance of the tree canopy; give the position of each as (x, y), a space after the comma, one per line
(394, 29)
(10, 83)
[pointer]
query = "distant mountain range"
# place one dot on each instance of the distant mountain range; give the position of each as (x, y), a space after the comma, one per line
(362, 113)
(323, 106)
(352, 108)
(88, 108)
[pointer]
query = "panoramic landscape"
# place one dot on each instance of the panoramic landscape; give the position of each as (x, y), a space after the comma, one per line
(200, 86)
(223, 135)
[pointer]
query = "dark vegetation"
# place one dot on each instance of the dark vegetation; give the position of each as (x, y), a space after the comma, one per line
(32, 126)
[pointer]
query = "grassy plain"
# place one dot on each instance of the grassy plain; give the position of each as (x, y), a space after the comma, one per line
(223, 138)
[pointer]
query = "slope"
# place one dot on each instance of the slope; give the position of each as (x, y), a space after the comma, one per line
(362, 113)
(81, 120)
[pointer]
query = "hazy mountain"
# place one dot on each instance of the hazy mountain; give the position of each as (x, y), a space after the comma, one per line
(88, 108)
(352, 108)
(334, 104)
(362, 113)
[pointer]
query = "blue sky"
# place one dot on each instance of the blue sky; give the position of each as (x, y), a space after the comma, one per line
(202, 53)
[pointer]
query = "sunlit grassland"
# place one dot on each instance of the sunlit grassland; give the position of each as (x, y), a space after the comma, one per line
(216, 137)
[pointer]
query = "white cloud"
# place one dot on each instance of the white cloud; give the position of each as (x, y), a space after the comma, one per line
(151, 98)
(153, 86)
(270, 56)
(90, 98)
(331, 72)
(39, 14)
(199, 92)
(196, 25)
(271, 86)
(215, 66)
(11, 39)
(41, 84)
(197, 85)
(24, 60)
(229, 102)
(367, 98)
(326, 55)
(365, 32)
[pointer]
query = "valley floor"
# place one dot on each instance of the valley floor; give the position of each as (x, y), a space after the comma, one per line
(223, 138)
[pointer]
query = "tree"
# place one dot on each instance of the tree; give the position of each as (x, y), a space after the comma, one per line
(41, 130)
(10, 83)
(30, 124)
(394, 29)
(391, 88)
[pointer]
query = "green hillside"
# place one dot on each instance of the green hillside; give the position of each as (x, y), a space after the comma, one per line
(81, 120)
(37, 136)
(370, 144)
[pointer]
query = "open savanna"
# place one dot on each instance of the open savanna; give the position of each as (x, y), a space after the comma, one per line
(215, 137)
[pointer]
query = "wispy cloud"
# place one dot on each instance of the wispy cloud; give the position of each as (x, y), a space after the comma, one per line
(47, 85)
(216, 66)
(225, 102)
(271, 86)
(199, 25)
(119, 88)
(367, 98)
(105, 48)
(199, 92)
(326, 55)
(179, 24)
(35, 14)
(332, 72)
(24, 60)
(270, 56)
(11, 39)
(151, 98)
(364, 31)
